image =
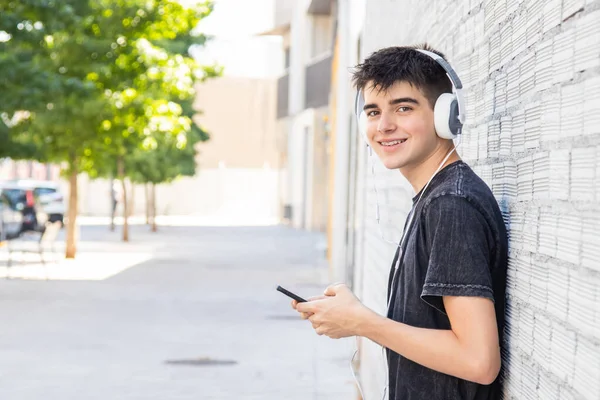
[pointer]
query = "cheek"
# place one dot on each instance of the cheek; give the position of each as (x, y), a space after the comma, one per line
(371, 132)
(417, 126)
(371, 129)
(420, 128)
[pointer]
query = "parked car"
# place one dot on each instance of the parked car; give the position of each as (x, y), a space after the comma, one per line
(51, 199)
(48, 194)
(23, 199)
(11, 217)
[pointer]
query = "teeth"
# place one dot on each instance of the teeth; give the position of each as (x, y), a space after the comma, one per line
(395, 142)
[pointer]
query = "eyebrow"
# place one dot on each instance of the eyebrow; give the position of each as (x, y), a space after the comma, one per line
(393, 102)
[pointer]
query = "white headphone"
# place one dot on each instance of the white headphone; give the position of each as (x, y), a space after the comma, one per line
(448, 112)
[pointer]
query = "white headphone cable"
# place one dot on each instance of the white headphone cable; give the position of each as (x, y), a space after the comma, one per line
(377, 214)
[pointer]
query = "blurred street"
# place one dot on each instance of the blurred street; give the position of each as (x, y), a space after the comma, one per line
(187, 295)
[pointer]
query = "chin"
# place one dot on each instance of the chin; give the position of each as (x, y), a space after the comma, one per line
(393, 164)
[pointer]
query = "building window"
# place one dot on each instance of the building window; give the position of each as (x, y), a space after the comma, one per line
(321, 35)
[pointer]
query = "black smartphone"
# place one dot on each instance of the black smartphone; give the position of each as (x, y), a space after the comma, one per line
(290, 294)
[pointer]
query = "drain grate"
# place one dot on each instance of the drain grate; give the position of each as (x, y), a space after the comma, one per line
(200, 362)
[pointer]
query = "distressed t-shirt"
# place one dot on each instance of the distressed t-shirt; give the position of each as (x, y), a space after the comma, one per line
(456, 245)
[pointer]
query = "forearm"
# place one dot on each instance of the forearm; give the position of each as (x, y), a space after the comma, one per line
(437, 349)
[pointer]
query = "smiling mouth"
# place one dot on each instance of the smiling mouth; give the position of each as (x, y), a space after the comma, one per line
(392, 142)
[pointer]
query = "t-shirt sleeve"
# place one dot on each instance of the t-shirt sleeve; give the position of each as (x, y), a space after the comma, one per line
(459, 242)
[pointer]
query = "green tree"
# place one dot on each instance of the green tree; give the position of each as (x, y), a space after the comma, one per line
(114, 83)
(164, 162)
(28, 81)
(159, 80)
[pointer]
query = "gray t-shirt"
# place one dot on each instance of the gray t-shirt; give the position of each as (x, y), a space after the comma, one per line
(456, 246)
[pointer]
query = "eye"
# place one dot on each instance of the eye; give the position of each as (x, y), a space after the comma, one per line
(404, 109)
(372, 113)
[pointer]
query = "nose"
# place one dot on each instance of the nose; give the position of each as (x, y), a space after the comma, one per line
(385, 124)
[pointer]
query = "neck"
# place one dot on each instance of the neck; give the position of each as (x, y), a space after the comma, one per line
(418, 175)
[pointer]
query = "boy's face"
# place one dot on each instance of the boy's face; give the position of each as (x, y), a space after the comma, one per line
(400, 126)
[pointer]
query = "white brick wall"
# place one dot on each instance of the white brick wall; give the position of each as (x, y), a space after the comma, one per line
(531, 70)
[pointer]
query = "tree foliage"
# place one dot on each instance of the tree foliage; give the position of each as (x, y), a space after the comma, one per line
(90, 82)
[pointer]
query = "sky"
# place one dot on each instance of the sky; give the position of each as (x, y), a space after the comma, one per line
(234, 24)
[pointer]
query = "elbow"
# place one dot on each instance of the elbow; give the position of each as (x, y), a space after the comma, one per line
(485, 370)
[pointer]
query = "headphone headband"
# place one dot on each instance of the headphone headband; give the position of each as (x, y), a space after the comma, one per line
(453, 76)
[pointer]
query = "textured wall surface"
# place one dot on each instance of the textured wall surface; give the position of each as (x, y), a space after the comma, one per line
(531, 71)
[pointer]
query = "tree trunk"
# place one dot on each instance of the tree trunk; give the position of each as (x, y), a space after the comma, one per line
(147, 192)
(113, 204)
(72, 215)
(131, 199)
(121, 167)
(154, 227)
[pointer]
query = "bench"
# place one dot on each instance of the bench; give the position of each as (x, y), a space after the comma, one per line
(40, 243)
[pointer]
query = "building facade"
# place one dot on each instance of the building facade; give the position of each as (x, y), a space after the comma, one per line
(303, 91)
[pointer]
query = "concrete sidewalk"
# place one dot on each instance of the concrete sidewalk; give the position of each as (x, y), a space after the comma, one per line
(198, 295)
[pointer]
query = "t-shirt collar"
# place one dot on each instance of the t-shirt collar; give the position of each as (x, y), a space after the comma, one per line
(442, 172)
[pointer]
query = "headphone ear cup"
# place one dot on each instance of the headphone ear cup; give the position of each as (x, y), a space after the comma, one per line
(446, 107)
(362, 126)
(361, 116)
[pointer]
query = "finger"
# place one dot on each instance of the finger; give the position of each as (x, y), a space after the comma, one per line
(320, 330)
(294, 303)
(307, 307)
(332, 290)
(336, 289)
(316, 298)
(305, 315)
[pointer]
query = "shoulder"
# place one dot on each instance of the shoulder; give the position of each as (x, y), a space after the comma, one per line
(462, 188)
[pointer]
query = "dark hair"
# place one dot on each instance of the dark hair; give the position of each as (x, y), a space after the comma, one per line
(393, 64)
